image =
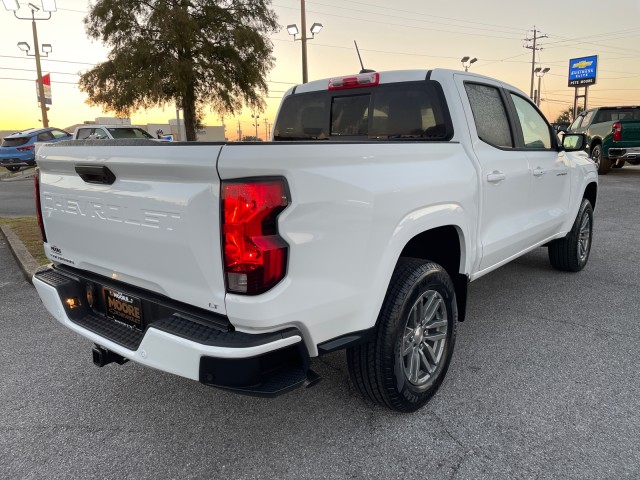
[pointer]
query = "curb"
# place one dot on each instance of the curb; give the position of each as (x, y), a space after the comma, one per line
(25, 260)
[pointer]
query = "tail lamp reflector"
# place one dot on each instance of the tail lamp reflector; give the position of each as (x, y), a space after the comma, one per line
(36, 189)
(27, 148)
(355, 81)
(255, 256)
(617, 132)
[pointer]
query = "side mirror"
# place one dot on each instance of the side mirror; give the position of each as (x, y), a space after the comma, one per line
(572, 142)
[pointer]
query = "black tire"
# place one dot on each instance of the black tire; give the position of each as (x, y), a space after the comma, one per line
(13, 168)
(378, 368)
(571, 253)
(603, 163)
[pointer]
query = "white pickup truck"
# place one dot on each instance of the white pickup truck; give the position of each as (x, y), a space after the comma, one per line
(359, 227)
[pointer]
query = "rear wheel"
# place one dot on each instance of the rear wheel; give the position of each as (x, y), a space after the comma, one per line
(603, 163)
(571, 253)
(403, 366)
(13, 168)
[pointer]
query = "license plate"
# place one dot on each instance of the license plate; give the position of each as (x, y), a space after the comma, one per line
(123, 308)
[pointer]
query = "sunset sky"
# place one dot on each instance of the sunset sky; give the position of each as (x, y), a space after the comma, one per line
(405, 34)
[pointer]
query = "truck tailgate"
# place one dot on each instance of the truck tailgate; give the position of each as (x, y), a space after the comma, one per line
(155, 226)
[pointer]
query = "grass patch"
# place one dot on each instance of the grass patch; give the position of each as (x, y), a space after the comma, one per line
(28, 231)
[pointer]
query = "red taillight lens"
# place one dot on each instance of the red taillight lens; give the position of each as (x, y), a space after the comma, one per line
(255, 256)
(355, 81)
(36, 190)
(26, 149)
(617, 132)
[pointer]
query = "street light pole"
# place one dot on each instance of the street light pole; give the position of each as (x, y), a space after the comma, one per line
(43, 104)
(293, 31)
(539, 73)
(303, 22)
(47, 6)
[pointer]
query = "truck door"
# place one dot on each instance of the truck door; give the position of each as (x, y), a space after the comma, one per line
(505, 177)
(550, 185)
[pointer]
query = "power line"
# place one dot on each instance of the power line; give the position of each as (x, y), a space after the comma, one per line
(398, 25)
(359, 10)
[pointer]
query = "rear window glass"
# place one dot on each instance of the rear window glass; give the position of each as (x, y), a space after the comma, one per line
(614, 115)
(407, 110)
(14, 142)
(128, 133)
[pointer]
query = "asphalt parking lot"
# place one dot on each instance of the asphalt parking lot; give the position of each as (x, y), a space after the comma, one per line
(544, 383)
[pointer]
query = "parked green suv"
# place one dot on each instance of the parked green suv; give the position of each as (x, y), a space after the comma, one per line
(613, 135)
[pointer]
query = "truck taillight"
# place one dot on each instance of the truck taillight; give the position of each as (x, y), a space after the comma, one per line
(255, 256)
(617, 132)
(36, 189)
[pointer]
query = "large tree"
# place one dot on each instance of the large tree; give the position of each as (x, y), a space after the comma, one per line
(194, 53)
(566, 117)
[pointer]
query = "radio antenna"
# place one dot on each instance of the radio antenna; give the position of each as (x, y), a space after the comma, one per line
(364, 70)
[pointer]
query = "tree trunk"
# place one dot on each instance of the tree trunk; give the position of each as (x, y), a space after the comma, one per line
(189, 113)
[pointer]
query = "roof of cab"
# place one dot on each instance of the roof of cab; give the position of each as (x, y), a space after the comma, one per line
(393, 76)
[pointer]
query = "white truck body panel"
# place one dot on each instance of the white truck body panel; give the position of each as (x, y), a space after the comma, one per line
(156, 228)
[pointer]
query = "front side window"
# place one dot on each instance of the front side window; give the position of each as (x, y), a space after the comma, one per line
(99, 134)
(490, 115)
(59, 133)
(535, 129)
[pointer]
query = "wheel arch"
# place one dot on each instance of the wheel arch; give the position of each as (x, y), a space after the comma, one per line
(594, 141)
(446, 246)
(591, 194)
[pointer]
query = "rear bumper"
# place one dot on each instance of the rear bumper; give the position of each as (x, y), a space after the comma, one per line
(625, 153)
(11, 160)
(179, 341)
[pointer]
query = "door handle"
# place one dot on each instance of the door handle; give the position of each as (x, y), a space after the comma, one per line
(496, 176)
(538, 172)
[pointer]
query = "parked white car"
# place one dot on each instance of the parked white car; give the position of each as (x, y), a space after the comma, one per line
(109, 132)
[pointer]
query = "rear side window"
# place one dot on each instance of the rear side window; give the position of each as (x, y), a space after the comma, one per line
(84, 133)
(586, 119)
(406, 110)
(14, 142)
(489, 114)
(45, 136)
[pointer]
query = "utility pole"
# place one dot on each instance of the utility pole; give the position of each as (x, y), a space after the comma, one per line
(239, 132)
(266, 130)
(534, 48)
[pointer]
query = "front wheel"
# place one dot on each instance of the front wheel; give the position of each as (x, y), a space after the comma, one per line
(571, 253)
(404, 365)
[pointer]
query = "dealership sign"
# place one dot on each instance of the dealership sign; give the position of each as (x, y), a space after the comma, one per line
(583, 71)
